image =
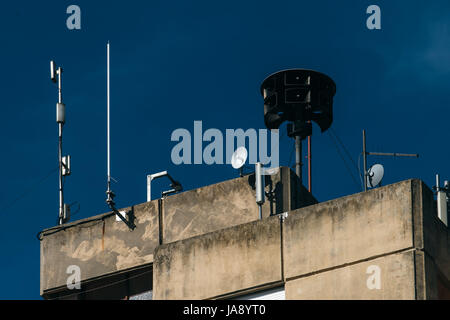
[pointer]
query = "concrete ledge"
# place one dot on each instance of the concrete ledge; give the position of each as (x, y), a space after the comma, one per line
(217, 263)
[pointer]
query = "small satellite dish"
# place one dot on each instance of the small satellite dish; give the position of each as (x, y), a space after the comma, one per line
(375, 175)
(239, 157)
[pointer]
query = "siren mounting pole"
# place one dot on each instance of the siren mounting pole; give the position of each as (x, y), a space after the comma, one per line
(298, 157)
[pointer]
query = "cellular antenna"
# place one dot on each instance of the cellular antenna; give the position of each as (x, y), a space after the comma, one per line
(109, 193)
(64, 162)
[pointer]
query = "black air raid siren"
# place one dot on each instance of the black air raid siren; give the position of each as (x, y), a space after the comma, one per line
(298, 96)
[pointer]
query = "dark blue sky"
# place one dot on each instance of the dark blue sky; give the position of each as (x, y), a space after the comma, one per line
(180, 61)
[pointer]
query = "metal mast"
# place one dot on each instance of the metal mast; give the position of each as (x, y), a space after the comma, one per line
(60, 108)
(63, 162)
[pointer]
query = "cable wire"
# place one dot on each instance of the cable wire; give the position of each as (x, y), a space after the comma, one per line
(359, 172)
(27, 191)
(331, 130)
(343, 159)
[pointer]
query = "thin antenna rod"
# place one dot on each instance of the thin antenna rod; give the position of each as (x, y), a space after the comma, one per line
(108, 119)
(109, 193)
(59, 85)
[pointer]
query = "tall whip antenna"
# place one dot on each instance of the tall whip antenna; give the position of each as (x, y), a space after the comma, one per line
(109, 193)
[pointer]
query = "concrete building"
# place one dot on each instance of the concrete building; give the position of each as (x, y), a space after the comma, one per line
(208, 243)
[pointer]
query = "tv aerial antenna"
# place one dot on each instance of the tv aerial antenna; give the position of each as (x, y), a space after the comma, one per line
(376, 170)
(64, 161)
(109, 193)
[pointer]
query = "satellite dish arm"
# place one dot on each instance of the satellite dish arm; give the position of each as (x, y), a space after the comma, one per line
(175, 185)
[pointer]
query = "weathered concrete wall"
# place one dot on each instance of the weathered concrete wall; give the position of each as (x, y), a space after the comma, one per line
(229, 203)
(99, 247)
(217, 263)
(208, 209)
(432, 241)
(106, 246)
(348, 229)
(325, 251)
(435, 234)
(213, 247)
(396, 273)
